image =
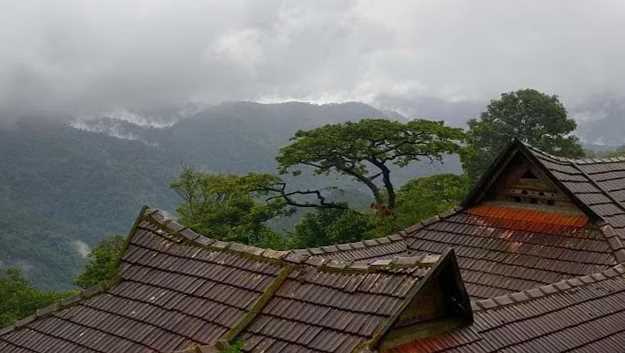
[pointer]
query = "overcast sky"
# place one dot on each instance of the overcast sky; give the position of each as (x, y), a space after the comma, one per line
(83, 56)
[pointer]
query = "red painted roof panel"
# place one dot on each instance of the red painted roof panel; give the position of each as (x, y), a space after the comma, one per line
(523, 219)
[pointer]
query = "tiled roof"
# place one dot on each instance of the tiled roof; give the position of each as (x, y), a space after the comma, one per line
(497, 252)
(177, 289)
(599, 184)
(362, 251)
(328, 312)
(584, 314)
(496, 256)
(463, 340)
(502, 250)
(169, 296)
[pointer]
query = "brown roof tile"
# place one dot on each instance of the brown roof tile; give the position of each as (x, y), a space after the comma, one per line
(583, 318)
(178, 289)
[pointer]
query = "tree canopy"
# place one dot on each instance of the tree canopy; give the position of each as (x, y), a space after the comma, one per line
(424, 197)
(331, 226)
(228, 207)
(529, 115)
(366, 149)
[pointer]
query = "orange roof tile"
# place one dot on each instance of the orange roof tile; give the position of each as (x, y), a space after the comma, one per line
(528, 219)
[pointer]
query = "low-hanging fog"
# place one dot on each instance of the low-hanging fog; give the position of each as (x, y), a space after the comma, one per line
(79, 57)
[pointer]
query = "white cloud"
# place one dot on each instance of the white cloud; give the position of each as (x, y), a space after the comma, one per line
(86, 56)
(81, 248)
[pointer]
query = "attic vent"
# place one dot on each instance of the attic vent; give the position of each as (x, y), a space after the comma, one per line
(523, 183)
(529, 175)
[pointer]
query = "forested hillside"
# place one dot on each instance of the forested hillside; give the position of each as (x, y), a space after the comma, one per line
(62, 188)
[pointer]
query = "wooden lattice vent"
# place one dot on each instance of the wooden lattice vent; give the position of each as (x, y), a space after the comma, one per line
(525, 185)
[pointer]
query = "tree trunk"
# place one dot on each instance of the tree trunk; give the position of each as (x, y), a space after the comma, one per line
(386, 177)
(370, 184)
(388, 185)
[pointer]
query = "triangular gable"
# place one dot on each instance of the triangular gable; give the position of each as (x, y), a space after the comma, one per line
(518, 178)
(439, 304)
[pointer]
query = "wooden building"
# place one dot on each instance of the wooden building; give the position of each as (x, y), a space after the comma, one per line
(530, 262)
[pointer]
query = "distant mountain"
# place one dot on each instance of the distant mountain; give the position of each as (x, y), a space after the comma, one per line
(454, 113)
(64, 186)
(601, 120)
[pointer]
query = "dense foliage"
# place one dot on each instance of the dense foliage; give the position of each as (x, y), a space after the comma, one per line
(331, 226)
(227, 207)
(424, 197)
(18, 298)
(528, 115)
(102, 262)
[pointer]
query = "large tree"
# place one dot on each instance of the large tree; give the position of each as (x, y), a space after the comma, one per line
(366, 150)
(228, 207)
(528, 115)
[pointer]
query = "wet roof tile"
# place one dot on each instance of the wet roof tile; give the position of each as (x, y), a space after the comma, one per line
(177, 290)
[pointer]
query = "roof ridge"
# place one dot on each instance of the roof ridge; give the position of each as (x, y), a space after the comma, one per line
(255, 310)
(549, 155)
(329, 249)
(428, 221)
(547, 289)
(600, 160)
(615, 242)
(398, 236)
(168, 224)
(581, 161)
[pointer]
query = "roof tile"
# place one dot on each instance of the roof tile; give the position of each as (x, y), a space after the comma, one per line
(189, 234)
(487, 303)
(534, 292)
(503, 300)
(274, 254)
(574, 282)
(562, 285)
(548, 289)
(519, 296)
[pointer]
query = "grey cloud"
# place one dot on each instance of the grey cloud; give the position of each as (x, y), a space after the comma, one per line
(82, 56)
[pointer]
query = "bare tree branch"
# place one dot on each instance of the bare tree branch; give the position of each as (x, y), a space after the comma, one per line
(280, 189)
